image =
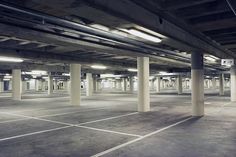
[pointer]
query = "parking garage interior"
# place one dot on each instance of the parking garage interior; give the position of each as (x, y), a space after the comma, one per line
(118, 78)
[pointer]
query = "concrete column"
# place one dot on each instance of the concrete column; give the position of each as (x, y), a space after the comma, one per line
(68, 86)
(124, 84)
(143, 84)
(163, 84)
(38, 85)
(179, 84)
(185, 83)
(115, 84)
(89, 89)
(131, 84)
(221, 84)
(233, 83)
(75, 84)
(50, 84)
(43, 86)
(94, 84)
(190, 84)
(1, 85)
(158, 84)
(10, 85)
(197, 76)
(16, 84)
(208, 83)
(23, 89)
(55, 85)
(65, 85)
(213, 83)
(118, 84)
(99, 85)
(152, 84)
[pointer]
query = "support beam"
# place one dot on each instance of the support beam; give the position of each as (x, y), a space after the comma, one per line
(89, 85)
(233, 83)
(16, 84)
(197, 77)
(221, 84)
(75, 85)
(143, 84)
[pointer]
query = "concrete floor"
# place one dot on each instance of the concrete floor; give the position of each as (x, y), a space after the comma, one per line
(107, 124)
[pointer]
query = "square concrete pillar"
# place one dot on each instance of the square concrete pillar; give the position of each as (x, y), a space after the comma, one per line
(75, 84)
(197, 78)
(16, 84)
(143, 84)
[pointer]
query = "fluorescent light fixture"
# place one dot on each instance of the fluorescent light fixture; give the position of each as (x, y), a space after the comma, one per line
(132, 70)
(10, 59)
(162, 72)
(107, 75)
(210, 59)
(65, 74)
(98, 67)
(7, 77)
(151, 77)
(110, 76)
(151, 32)
(216, 58)
(120, 33)
(39, 72)
(101, 27)
(36, 72)
(144, 35)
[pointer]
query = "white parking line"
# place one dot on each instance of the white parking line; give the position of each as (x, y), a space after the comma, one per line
(30, 117)
(103, 130)
(14, 120)
(33, 133)
(60, 114)
(125, 115)
(140, 138)
(70, 125)
(150, 134)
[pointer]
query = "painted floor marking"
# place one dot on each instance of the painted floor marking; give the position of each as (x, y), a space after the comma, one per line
(140, 138)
